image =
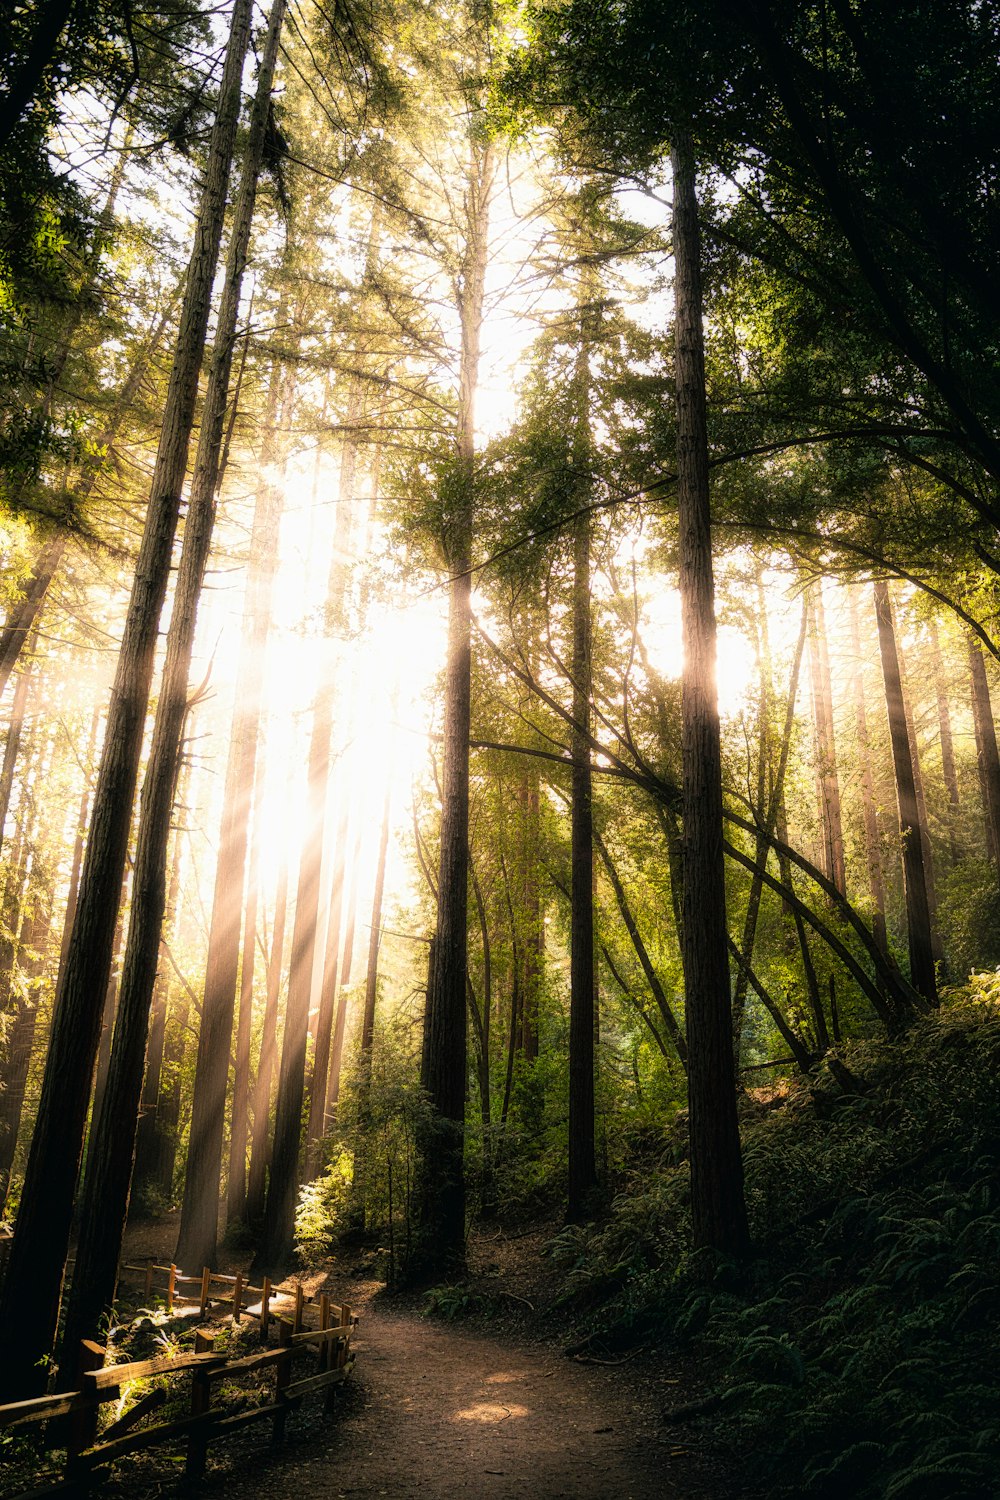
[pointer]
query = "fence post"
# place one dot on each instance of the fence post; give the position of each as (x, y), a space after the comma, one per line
(171, 1278)
(283, 1377)
(345, 1322)
(201, 1400)
(203, 1341)
(82, 1427)
(299, 1299)
(265, 1300)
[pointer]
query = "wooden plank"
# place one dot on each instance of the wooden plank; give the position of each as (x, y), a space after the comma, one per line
(41, 1408)
(163, 1365)
(244, 1418)
(315, 1383)
(322, 1335)
(134, 1442)
(250, 1362)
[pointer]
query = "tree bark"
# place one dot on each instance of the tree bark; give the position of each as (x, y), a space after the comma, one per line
(443, 1182)
(148, 1141)
(718, 1209)
(986, 748)
(328, 1008)
(32, 1289)
(582, 1163)
(770, 805)
(918, 919)
(259, 1145)
(346, 967)
(828, 781)
(531, 947)
(12, 745)
(29, 1304)
(358, 1186)
(110, 1159)
(946, 739)
(925, 827)
(36, 924)
(873, 844)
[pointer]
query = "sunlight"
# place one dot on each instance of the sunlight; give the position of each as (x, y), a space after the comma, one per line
(490, 1411)
(660, 628)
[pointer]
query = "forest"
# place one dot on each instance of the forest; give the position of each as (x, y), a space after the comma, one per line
(500, 533)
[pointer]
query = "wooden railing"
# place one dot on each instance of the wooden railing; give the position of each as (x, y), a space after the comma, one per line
(238, 1293)
(87, 1449)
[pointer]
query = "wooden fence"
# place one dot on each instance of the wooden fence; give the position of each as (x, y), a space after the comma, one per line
(235, 1291)
(205, 1421)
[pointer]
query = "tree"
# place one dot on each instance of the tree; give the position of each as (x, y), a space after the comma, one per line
(111, 1152)
(30, 1298)
(918, 919)
(718, 1210)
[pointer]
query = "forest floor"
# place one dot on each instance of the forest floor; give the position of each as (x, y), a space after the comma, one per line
(487, 1405)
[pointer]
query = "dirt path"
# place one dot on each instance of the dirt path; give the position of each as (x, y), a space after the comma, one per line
(437, 1410)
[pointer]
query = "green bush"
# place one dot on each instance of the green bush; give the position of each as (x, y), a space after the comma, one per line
(856, 1355)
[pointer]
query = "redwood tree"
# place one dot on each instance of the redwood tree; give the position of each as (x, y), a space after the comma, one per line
(718, 1209)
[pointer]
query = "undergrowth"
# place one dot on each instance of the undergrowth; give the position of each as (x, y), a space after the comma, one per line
(857, 1354)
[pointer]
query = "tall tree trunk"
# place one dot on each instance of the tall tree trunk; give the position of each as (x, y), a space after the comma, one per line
(279, 1217)
(986, 747)
(36, 925)
(358, 1193)
(236, 1184)
(29, 1303)
(443, 1184)
(770, 804)
(12, 745)
(918, 919)
(582, 1165)
(533, 938)
(346, 967)
(828, 781)
(110, 1157)
(718, 1210)
(319, 1079)
(925, 826)
(946, 739)
(109, 1167)
(199, 1214)
(869, 812)
(109, 1013)
(148, 1152)
(260, 1138)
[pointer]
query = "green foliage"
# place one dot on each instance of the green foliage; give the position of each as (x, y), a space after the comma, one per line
(451, 1302)
(856, 1356)
(322, 1210)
